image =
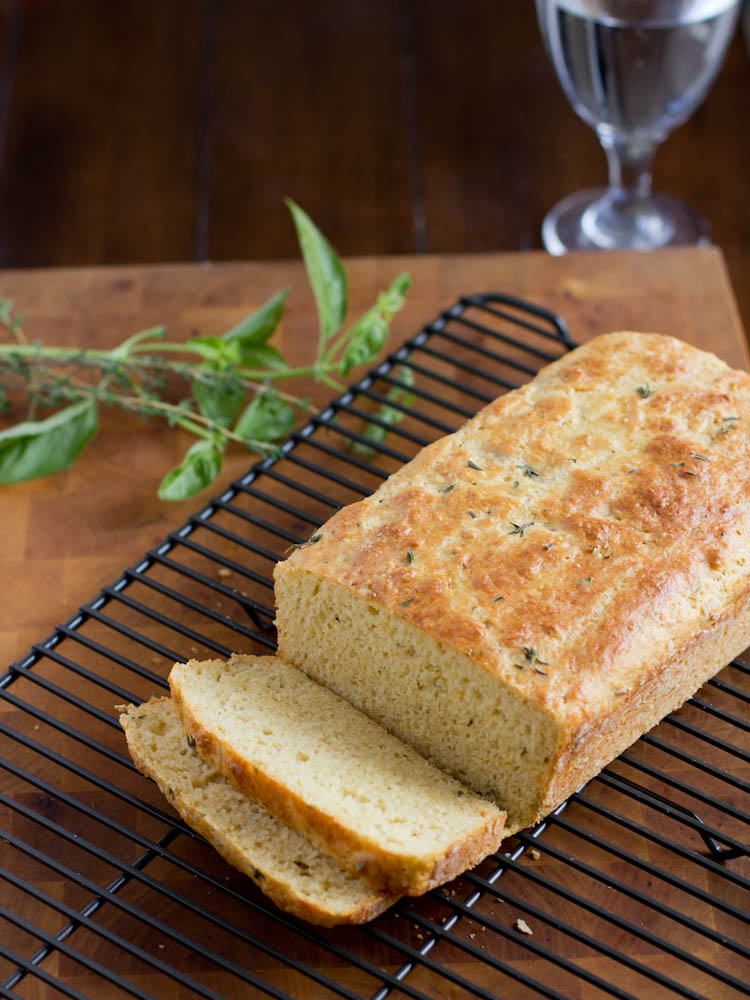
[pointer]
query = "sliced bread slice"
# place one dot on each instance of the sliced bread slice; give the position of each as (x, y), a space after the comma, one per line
(333, 774)
(285, 866)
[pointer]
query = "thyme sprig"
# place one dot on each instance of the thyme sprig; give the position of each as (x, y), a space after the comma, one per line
(231, 380)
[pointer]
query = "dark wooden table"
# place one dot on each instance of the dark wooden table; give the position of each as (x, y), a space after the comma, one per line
(144, 132)
(64, 537)
(136, 132)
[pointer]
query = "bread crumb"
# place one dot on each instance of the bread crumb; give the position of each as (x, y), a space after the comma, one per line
(224, 572)
(472, 936)
(523, 926)
(534, 854)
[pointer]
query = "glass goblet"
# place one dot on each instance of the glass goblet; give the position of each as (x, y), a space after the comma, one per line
(633, 70)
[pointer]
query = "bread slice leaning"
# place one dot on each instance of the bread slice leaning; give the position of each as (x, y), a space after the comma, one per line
(285, 866)
(333, 774)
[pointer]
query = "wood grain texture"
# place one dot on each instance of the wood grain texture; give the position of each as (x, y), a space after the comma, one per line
(171, 131)
(100, 154)
(316, 114)
(63, 537)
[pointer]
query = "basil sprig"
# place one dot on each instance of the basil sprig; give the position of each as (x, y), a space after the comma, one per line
(233, 379)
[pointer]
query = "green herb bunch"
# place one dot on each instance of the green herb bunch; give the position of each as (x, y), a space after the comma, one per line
(232, 379)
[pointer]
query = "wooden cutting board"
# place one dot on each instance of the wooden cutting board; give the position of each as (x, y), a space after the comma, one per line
(63, 537)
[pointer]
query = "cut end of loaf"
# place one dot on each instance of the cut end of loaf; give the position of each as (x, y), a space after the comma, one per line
(432, 697)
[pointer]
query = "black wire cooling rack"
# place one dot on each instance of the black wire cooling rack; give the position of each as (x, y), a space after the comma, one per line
(638, 887)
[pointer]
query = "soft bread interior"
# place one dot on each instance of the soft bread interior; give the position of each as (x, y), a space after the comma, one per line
(284, 865)
(333, 773)
(434, 698)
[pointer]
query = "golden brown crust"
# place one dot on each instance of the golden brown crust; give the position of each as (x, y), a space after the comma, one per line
(664, 690)
(277, 890)
(607, 519)
(385, 871)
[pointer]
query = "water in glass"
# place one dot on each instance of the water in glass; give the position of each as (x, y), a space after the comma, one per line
(633, 70)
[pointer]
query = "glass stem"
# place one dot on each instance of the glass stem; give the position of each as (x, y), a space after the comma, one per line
(629, 166)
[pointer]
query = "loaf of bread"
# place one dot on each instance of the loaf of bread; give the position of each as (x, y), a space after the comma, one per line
(287, 868)
(333, 774)
(532, 593)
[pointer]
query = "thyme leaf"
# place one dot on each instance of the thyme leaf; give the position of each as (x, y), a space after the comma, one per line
(410, 556)
(473, 465)
(528, 471)
(644, 391)
(729, 424)
(532, 657)
(518, 529)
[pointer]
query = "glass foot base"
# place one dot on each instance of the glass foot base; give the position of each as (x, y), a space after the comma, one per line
(595, 219)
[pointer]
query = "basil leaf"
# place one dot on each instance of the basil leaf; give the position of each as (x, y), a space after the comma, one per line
(267, 418)
(257, 328)
(37, 447)
(198, 469)
(219, 399)
(394, 299)
(264, 356)
(369, 334)
(325, 271)
(215, 351)
(388, 414)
